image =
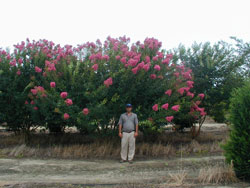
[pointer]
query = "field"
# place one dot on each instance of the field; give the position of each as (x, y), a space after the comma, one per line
(172, 160)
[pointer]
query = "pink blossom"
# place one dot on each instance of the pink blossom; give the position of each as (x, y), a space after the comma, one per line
(117, 57)
(44, 74)
(181, 90)
(34, 91)
(105, 57)
(134, 70)
(203, 113)
(147, 59)
(85, 111)
(64, 95)
(190, 84)
(200, 109)
(177, 74)
(108, 82)
(168, 92)
(146, 67)
(12, 63)
(181, 67)
(66, 116)
(52, 84)
(39, 88)
(187, 74)
(32, 102)
(157, 67)
(141, 65)
(165, 106)
(37, 69)
(95, 67)
(169, 118)
(155, 107)
(170, 56)
(123, 60)
(18, 72)
(198, 102)
(68, 102)
(26, 102)
(35, 108)
(166, 61)
(50, 66)
(155, 58)
(20, 61)
(153, 76)
(160, 55)
(201, 95)
(190, 94)
(176, 108)
(132, 62)
(186, 88)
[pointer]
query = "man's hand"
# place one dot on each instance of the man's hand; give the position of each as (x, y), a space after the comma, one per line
(136, 134)
(120, 134)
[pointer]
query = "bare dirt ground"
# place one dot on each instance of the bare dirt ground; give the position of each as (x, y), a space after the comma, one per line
(58, 173)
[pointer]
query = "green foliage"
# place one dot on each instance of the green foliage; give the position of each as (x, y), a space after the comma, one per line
(238, 146)
(216, 70)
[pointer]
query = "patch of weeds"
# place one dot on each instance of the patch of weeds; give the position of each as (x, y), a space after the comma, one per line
(19, 156)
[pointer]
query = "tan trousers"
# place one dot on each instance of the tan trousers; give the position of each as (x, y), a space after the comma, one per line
(128, 146)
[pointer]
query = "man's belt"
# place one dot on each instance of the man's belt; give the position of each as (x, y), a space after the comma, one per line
(129, 131)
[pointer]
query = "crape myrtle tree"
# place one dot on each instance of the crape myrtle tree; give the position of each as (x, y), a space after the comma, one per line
(43, 84)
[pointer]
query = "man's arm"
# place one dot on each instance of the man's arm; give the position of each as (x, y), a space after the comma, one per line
(136, 126)
(120, 130)
(136, 130)
(120, 126)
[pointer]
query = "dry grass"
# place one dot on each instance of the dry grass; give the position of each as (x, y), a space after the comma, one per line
(109, 149)
(178, 178)
(75, 145)
(94, 150)
(217, 175)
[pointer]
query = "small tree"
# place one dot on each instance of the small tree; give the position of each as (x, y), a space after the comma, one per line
(238, 146)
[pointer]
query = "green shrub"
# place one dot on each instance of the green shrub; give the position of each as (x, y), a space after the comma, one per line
(237, 149)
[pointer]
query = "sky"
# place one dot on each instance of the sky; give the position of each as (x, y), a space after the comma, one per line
(78, 21)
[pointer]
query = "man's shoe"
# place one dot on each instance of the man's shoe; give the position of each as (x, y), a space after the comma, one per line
(130, 161)
(122, 161)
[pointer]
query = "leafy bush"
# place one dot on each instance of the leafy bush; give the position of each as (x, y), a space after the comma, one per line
(43, 84)
(238, 146)
(217, 70)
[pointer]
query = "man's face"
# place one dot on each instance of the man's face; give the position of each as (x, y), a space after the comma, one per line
(129, 109)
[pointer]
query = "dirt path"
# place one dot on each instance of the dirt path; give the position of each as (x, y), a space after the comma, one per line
(21, 171)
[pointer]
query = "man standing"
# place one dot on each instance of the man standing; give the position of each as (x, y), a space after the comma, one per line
(128, 131)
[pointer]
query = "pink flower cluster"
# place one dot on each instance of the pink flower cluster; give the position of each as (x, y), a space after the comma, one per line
(95, 67)
(38, 69)
(38, 90)
(64, 95)
(98, 56)
(108, 82)
(85, 111)
(69, 102)
(52, 84)
(50, 66)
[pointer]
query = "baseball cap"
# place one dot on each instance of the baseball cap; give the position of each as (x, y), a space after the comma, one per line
(128, 105)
